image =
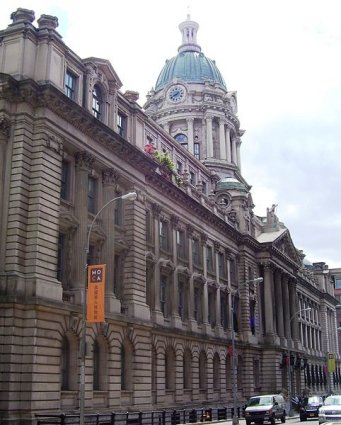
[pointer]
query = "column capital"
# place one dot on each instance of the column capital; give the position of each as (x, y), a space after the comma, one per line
(110, 177)
(84, 160)
(174, 219)
(156, 209)
(5, 125)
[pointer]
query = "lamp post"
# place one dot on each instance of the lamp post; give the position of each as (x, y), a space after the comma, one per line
(131, 196)
(235, 419)
(289, 365)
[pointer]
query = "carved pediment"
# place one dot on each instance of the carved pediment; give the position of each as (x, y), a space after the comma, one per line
(285, 245)
(103, 68)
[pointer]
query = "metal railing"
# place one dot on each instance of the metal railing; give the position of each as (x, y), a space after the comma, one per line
(158, 417)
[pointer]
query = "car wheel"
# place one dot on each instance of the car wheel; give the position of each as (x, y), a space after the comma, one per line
(272, 420)
(248, 422)
(283, 419)
(302, 418)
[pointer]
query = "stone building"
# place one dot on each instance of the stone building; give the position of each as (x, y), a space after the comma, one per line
(181, 260)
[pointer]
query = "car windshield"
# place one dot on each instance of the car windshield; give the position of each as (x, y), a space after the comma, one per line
(314, 400)
(259, 401)
(331, 400)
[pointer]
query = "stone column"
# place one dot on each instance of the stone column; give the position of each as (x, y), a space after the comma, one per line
(205, 289)
(110, 177)
(279, 304)
(156, 210)
(294, 310)
(190, 134)
(286, 307)
(4, 134)
(176, 321)
(228, 145)
(268, 301)
(217, 293)
(238, 143)
(83, 162)
(209, 138)
(222, 141)
(234, 151)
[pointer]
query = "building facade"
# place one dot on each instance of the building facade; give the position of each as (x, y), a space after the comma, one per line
(181, 260)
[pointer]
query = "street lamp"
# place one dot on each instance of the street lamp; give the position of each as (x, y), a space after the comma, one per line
(132, 196)
(235, 419)
(289, 365)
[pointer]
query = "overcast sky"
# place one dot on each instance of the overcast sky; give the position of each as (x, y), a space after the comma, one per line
(283, 57)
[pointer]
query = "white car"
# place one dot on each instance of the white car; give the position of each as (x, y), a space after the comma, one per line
(331, 409)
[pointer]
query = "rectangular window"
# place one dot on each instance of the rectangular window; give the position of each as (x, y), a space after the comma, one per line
(118, 207)
(204, 188)
(221, 265)
(70, 85)
(122, 125)
(209, 258)
(232, 270)
(164, 235)
(197, 150)
(192, 178)
(148, 226)
(338, 283)
(163, 295)
(224, 310)
(211, 307)
(179, 167)
(197, 304)
(60, 259)
(196, 252)
(65, 181)
(92, 192)
(181, 243)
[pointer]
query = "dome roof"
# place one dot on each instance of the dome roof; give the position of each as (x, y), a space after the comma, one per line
(228, 183)
(190, 64)
(192, 67)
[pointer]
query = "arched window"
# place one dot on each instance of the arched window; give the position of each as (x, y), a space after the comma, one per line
(96, 366)
(65, 365)
(68, 363)
(187, 369)
(228, 371)
(96, 102)
(216, 372)
(127, 366)
(100, 357)
(182, 139)
(170, 369)
(202, 371)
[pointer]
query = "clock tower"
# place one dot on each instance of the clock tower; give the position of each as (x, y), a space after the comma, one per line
(191, 102)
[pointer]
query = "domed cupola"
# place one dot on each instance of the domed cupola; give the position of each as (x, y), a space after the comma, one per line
(190, 64)
(190, 101)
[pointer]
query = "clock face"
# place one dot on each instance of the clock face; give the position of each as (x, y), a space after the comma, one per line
(176, 93)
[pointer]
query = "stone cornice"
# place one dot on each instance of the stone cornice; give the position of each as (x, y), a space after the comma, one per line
(51, 98)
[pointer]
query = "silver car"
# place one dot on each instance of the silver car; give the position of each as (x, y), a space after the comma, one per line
(331, 409)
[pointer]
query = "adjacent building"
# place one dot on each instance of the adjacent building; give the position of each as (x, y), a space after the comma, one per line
(182, 260)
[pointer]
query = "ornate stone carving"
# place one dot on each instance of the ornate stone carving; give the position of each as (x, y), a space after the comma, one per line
(174, 221)
(110, 176)
(156, 209)
(84, 160)
(190, 230)
(54, 143)
(4, 125)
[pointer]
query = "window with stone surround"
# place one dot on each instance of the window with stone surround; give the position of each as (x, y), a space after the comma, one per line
(70, 84)
(170, 368)
(216, 372)
(211, 307)
(187, 369)
(68, 364)
(92, 194)
(182, 300)
(197, 303)
(122, 124)
(181, 244)
(202, 371)
(221, 265)
(196, 152)
(100, 359)
(209, 259)
(164, 295)
(164, 235)
(97, 102)
(224, 310)
(127, 366)
(196, 252)
(65, 182)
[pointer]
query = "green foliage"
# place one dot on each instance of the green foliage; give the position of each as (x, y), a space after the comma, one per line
(164, 159)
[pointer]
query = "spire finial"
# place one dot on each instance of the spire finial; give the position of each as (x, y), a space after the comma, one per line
(188, 13)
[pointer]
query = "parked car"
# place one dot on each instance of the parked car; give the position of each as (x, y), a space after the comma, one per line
(265, 408)
(331, 409)
(310, 407)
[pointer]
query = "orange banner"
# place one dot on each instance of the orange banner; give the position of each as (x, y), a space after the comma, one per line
(95, 296)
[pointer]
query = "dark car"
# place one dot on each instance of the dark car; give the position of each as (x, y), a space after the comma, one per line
(310, 407)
